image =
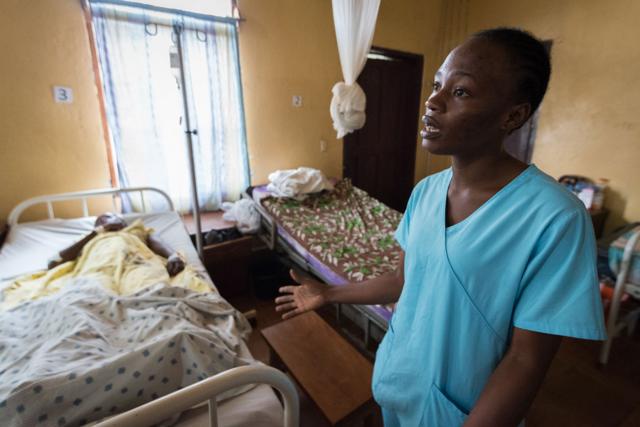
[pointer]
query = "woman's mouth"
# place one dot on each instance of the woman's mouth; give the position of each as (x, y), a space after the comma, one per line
(431, 129)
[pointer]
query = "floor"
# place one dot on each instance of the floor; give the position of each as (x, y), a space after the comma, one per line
(576, 392)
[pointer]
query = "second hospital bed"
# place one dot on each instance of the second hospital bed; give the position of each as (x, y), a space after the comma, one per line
(340, 236)
(34, 381)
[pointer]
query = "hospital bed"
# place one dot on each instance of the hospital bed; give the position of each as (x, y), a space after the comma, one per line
(29, 245)
(284, 237)
(624, 259)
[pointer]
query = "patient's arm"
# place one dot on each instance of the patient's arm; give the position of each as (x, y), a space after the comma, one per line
(72, 251)
(311, 294)
(175, 263)
(109, 222)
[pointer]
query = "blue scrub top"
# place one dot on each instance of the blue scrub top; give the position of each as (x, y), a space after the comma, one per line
(525, 258)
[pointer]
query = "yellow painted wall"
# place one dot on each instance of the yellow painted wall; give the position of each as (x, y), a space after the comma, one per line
(288, 47)
(589, 121)
(47, 147)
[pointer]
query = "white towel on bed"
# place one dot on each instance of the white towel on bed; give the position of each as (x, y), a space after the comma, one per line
(297, 183)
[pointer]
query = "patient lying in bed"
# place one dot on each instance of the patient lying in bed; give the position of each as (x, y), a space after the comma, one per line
(124, 258)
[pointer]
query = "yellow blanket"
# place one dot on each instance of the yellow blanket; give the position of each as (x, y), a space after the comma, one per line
(120, 260)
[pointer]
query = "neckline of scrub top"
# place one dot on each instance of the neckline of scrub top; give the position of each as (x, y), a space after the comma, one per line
(483, 206)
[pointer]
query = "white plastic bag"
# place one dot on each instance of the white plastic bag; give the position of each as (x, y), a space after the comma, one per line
(244, 214)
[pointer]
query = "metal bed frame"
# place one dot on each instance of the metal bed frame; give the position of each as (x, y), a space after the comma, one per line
(203, 391)
(373, 325)
(83, 196)
(163, 408)
(614, 327)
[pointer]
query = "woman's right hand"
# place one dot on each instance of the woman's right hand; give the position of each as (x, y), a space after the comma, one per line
(309, 295)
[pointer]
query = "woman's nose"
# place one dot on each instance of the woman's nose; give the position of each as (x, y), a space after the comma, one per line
(434, 103)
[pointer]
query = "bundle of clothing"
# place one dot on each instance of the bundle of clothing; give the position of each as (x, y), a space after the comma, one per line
(297, 183)
(290, 183)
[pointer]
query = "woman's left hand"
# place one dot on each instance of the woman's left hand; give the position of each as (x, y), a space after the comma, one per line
(175, 264)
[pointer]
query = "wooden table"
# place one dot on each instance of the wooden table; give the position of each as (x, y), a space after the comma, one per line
(330, 371)
(208, 221)
(226, 262)
(228, 265)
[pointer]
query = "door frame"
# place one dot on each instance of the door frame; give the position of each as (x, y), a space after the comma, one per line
(417, 63)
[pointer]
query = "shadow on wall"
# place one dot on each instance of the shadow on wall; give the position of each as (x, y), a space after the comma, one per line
(616, 203)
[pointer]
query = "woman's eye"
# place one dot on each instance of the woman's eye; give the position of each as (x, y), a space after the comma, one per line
(460, 92)
(435, 86)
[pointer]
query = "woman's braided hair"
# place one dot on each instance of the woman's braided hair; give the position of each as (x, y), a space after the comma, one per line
(530, 58)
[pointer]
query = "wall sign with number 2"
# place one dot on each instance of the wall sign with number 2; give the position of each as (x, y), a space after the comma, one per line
(63, 94)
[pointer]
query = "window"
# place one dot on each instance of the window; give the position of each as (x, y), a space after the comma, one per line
(208, 7)
(169, 78)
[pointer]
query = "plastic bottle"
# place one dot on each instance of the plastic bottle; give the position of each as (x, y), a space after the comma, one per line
(598, 198)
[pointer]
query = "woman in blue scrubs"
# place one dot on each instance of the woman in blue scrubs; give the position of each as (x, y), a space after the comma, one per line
(498, 259)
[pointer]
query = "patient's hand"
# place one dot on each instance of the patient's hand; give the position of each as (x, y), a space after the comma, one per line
(309, 295)
(175, 264)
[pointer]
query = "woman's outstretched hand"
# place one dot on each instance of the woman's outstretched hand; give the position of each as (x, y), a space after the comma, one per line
(309, 295)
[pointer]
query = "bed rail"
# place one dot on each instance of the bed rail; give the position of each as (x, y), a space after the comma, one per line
(83, 196)
(614, 327)
(207, 390)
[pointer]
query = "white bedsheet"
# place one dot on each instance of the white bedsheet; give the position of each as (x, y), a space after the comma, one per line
(86, 352)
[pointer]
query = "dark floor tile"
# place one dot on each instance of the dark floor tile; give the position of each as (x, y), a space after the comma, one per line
(579, 392)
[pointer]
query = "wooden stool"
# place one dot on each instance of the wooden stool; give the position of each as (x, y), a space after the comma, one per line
(331, 372)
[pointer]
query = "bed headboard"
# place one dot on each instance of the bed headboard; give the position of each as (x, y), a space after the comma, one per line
(4, 229)
(84, 196)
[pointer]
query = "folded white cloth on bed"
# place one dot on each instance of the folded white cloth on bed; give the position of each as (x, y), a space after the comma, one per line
(297, 183)
(245, 215)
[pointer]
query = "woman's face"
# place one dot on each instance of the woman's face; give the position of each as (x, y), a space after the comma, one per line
(470, 110)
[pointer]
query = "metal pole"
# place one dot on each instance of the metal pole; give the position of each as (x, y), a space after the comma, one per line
(190, 132)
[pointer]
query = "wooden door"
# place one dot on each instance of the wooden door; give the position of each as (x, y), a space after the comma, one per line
(380, 157)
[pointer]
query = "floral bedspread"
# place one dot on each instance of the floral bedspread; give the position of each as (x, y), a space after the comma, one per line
(348, 230)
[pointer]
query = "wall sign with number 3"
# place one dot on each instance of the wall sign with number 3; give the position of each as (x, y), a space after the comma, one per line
(63, 94)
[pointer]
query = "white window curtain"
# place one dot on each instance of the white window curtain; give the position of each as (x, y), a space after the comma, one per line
(355, 22)
(143, 95)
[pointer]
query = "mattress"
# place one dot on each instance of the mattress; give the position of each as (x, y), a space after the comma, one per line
(258, 407)
(352, 205)
(30, 245)
(616, 253)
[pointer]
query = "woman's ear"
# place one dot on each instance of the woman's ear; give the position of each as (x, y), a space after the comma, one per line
(517, 117)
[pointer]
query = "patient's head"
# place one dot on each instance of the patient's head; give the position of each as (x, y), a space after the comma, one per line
(485, 89)
(111, 221)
